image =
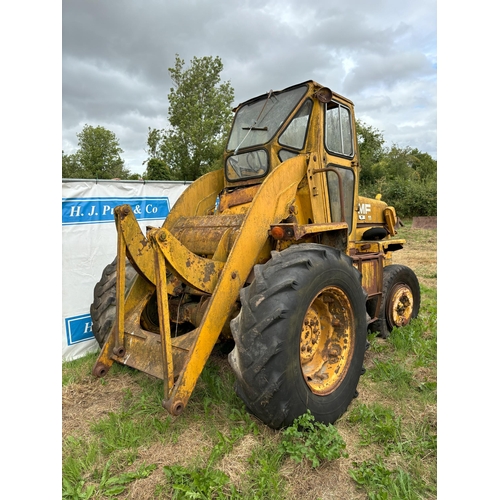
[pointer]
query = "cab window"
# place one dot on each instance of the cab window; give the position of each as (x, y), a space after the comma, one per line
(294, 136)
(338, 129)
(341, 193)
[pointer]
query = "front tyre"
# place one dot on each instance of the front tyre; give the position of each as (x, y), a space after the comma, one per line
(300, 336)
(103, 309)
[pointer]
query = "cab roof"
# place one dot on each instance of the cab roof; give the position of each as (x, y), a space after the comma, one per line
(309, 83)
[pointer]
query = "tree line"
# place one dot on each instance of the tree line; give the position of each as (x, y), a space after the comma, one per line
(199, 120)
(405, 176)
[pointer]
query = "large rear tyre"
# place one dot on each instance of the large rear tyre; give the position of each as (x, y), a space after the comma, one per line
(103, 309)
(300, 336)
(400, 299)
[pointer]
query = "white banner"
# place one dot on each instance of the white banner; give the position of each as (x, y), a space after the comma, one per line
(89, 243)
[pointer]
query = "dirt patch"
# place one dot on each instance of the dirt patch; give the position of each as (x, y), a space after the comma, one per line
(424, 222)
(88, 401)
(329, 481)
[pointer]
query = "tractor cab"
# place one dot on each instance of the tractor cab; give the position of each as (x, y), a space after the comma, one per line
(305, 120)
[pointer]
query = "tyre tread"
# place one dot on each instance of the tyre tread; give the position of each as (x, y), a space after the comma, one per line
(258, 330)
(103, 308)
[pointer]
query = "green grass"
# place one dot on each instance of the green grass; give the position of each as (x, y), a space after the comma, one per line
(78, 370)
(384, 483)
(384, 447)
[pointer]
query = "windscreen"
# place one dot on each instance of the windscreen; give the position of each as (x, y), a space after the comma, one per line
(257, 122)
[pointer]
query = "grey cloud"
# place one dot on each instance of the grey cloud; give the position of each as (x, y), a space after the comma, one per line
(377, 71)
(116, 56)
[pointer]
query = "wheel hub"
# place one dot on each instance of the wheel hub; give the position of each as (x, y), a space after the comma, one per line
(401, 306)
(327, 340)
(310, 335)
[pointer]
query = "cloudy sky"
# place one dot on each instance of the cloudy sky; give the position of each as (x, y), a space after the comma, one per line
(116, 55)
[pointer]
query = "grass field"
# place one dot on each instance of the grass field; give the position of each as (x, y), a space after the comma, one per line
(118, 442)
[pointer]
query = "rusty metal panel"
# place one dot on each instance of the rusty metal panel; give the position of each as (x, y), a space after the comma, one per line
(202, 235)
(144, 352)
(237, 197)
(292, 231)
(371, 268)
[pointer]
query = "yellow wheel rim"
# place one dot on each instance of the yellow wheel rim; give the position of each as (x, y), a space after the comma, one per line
(401, 306)
(327, 340)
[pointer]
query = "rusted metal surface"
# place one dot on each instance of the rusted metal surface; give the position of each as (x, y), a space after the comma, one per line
(137, 245)
(198, 272)
(157, 238)
(287, 231)
(371, 268)
(160, 355)
(400, 305)
(135, 302)
(202, 235)
(237, 197)
(198, 198)
(327, 341)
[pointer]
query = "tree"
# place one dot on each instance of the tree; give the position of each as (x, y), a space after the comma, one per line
(200, 118)
(154, 142)
(424, 164)
(98, 156)
(406, 177)
(134, 177)
(371, 150)
(71, 168)
(406, 163)
(157, 170)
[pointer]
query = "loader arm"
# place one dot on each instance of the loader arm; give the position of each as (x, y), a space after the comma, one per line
(280, 186)
(141, 346)
(180, 361)
(196, 199)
